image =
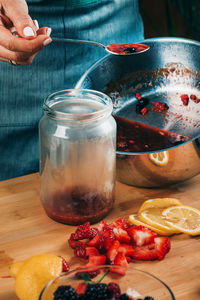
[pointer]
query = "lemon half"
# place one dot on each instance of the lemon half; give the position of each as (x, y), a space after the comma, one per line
(33, 274)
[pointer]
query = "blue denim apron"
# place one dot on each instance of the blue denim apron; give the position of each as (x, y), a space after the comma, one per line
(57, 67)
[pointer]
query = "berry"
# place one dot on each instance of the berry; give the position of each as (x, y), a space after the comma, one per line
(162, 246)
(65, 266)
(94, 241)
(126, 249)
(142, 235)
(120, 260)
(80, 252)
(138, 96)
(107, 238)
(121, 235)
(160, 106)
(84, 232)
(96, 260)
(115, 291)
(144, 111)
(98, 291)
(146, 252)
(91, 251)
(65, 293)
(113, 250)
(122, 223)
(148, 298)
(185, 99)
(129, 50)
(124, 297)
(75, 244)
(81, 287)
(143, 102)
(193, 97)
(138, 108)
(156, 250)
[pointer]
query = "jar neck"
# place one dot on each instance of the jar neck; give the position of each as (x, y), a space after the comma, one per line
(78, 106)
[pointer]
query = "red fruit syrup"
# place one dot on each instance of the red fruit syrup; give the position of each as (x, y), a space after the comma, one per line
(124, 49)
(78, 205)
(133, 136)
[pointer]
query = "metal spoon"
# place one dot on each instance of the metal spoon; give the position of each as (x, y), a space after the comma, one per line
(116, 49)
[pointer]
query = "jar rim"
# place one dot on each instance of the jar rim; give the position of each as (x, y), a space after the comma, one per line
(52, 99)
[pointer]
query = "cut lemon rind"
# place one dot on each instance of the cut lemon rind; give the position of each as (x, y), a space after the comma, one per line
(159, 158)
(184, 218)
(159, 203)
(154, 218)
(134, 219)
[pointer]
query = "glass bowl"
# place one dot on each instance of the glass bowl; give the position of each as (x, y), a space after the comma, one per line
(135, 282)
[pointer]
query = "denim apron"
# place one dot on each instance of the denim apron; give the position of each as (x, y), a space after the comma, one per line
(58, 66)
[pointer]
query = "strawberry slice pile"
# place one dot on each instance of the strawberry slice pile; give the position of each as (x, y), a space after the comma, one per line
(117, 244)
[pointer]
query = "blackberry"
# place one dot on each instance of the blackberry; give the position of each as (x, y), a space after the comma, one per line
(143, 102)
(148, 298)
(124, 297)
(129, 50)
(97, 291)
(65, 292)
(114, 289)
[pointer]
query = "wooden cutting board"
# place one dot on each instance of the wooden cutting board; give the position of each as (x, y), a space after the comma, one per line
(25, 230)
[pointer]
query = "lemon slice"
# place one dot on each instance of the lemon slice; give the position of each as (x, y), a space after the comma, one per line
(153, 217)
(159, 158)
(161, 203)
(183, 218)
(134, 219)
(35, 273)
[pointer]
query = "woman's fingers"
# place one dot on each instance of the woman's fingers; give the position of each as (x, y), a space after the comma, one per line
(26, 58)
(18, 44)
(17, 12)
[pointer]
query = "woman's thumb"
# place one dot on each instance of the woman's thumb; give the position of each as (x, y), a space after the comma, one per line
(17, 11)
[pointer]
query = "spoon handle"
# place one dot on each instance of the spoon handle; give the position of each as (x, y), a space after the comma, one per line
(55, 39)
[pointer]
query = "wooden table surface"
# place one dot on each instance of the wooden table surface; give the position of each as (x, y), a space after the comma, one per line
(25, 230)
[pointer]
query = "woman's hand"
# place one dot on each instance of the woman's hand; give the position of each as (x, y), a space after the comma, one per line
(23, 48)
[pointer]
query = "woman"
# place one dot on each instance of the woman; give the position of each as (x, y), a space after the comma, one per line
(28, 74)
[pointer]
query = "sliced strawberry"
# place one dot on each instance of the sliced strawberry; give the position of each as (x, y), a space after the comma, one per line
(122, 223)
(102, 225)
(107, 239)
(96, 260)
(74, 244)
(121, 235)
(156, 250)
(129, 259)
(81, 288)
(147, 252)
(142, 235)
(113, 250)
(91, 251)
(162, 246)
(94, 242)
(84, 232)
(80, 252)
(120, 260)
(65, 266)
(126, 249)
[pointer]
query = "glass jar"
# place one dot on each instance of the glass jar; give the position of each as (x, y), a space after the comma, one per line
(77, 156)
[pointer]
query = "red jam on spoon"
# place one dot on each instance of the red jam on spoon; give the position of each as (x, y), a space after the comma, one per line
(127, 49)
